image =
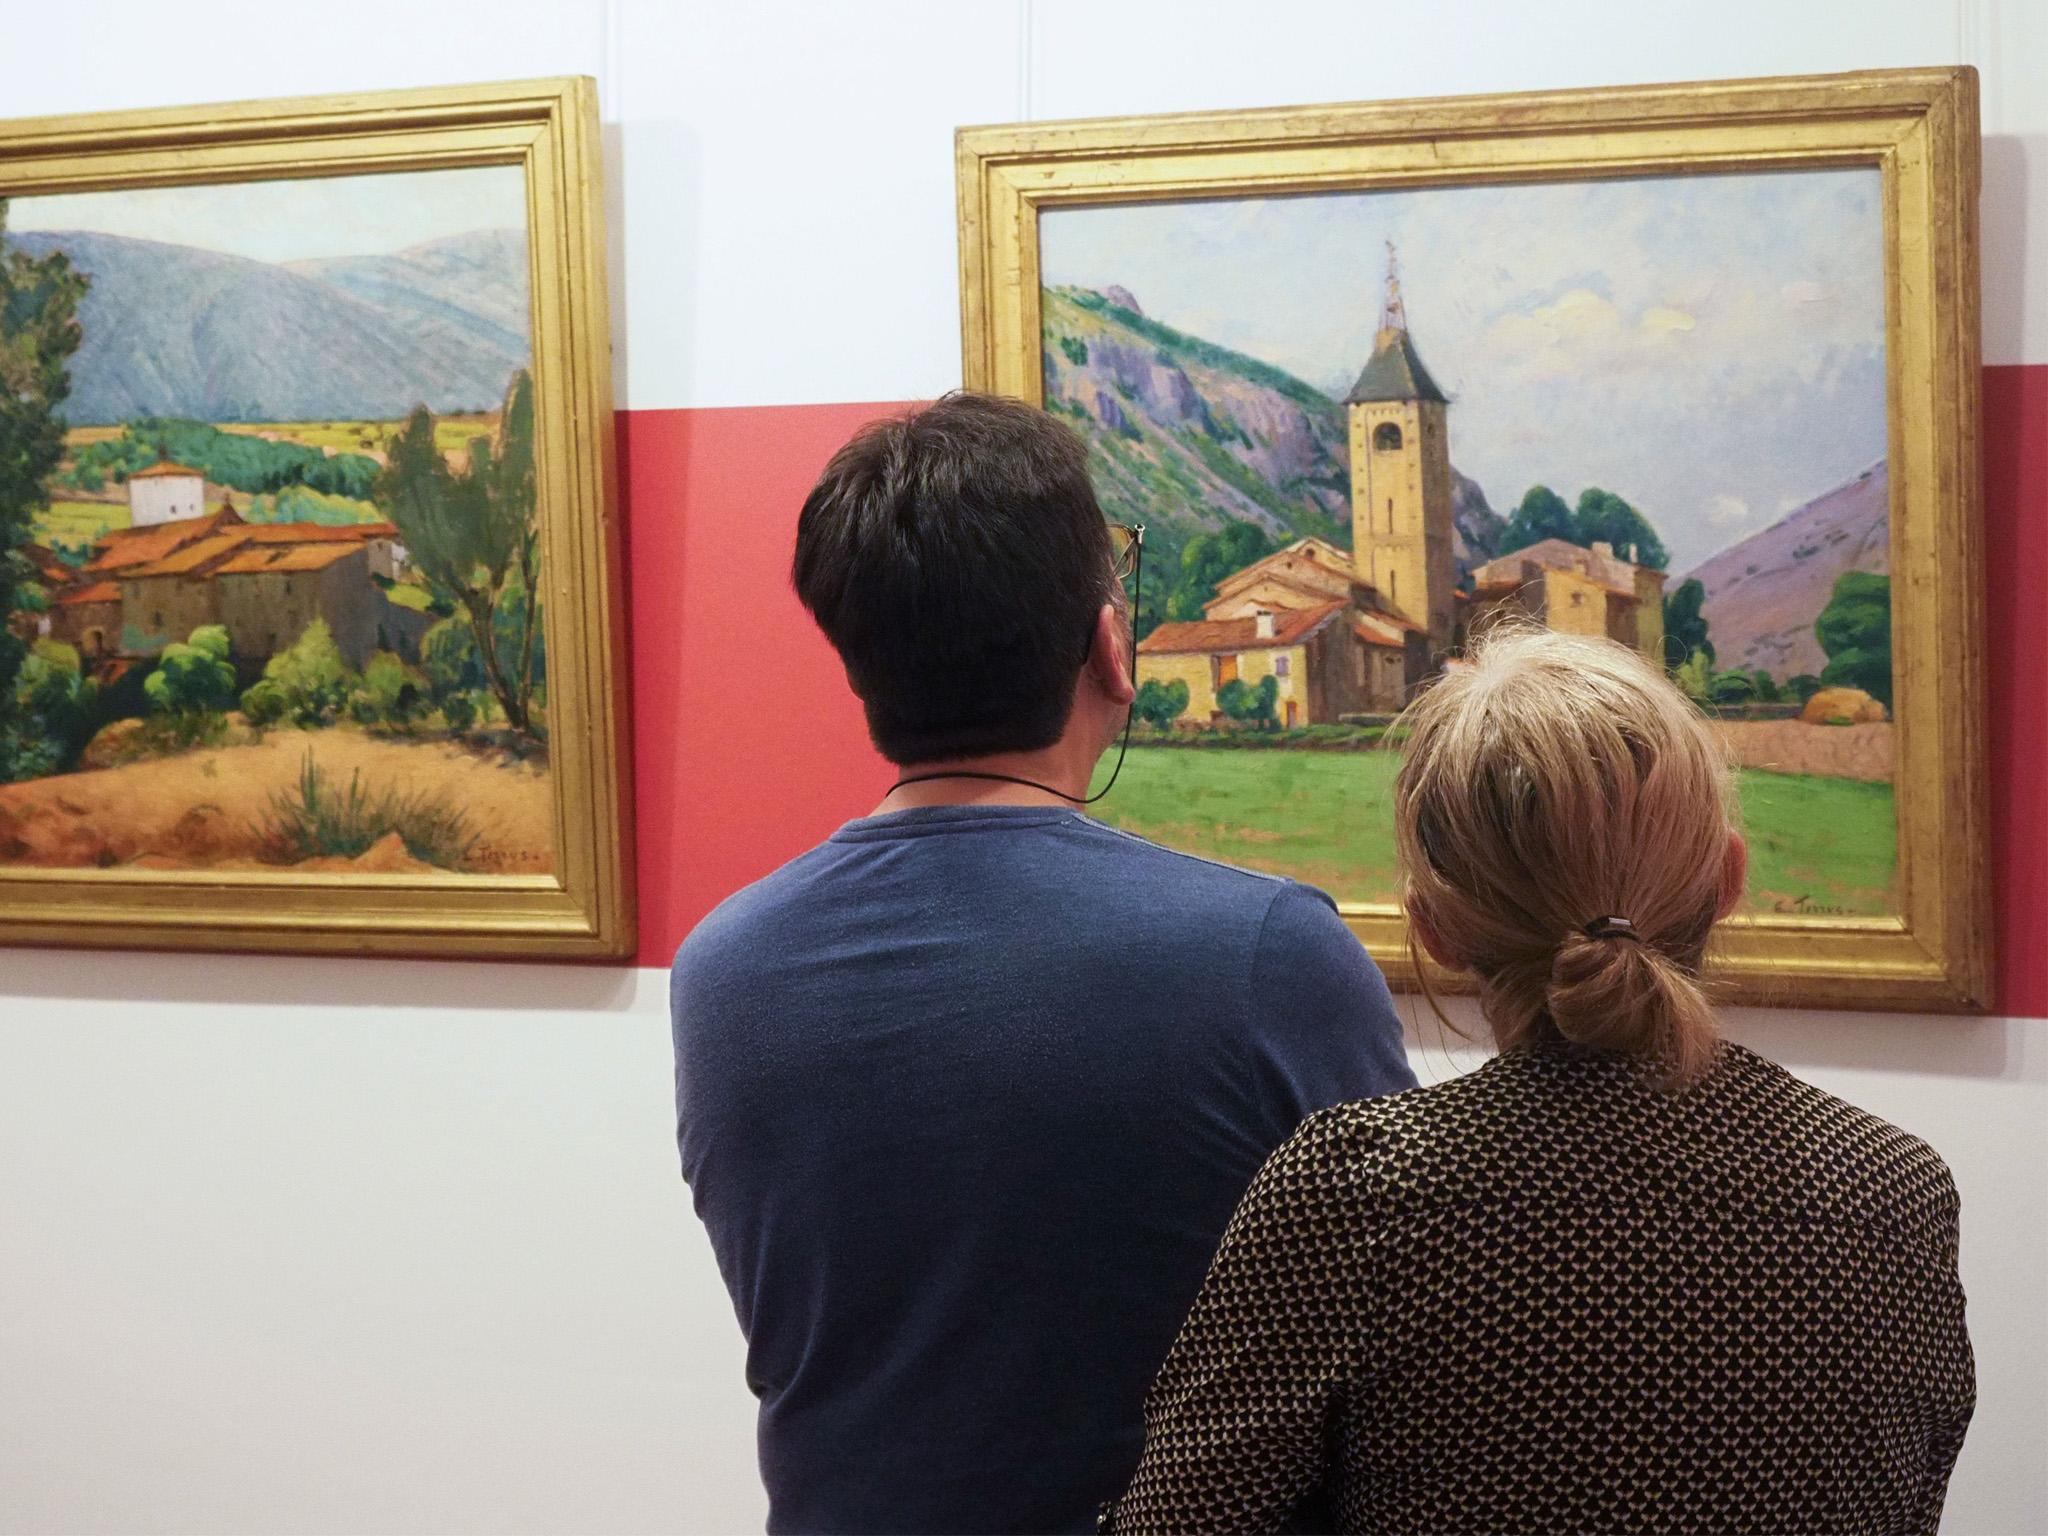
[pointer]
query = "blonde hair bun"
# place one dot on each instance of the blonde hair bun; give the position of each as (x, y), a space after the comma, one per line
(1617, 994)
(1562, 820)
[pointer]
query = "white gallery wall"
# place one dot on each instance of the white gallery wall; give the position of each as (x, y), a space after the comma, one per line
(294, 1245)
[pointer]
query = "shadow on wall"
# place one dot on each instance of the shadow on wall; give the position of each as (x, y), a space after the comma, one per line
(1932, 1045)
(662, 265)
(2002, 205)
(1928, 1045)
(1911, 1044)
(295, 981)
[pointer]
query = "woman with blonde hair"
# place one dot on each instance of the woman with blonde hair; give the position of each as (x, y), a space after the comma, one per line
(1623, 1277)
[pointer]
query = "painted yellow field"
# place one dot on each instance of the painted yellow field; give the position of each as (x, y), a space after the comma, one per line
(78, 437)
(78, 522)
(451, 433)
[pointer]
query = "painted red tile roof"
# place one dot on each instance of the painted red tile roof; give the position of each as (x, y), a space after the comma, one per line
(124, 547)
(193, 558)
(1202, 636)
(50, 569)
(291, 558)
(320, 533)
(98, 592)
(156, 471)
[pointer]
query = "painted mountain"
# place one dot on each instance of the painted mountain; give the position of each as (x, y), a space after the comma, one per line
(172, 330)
(1763, 594)
(1185, 435)
(471, 289)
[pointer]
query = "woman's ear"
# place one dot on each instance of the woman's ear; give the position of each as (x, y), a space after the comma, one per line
(1109, 656)
(1734, 874)
(1426, 936)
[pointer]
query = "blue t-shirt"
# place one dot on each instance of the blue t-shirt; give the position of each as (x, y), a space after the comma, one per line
(966, 1097)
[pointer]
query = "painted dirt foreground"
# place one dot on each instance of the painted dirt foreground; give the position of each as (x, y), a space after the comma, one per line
(209, 808)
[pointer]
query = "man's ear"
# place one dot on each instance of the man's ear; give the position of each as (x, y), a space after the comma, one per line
(1109, 655)
(1426, 936)
(1734, 874)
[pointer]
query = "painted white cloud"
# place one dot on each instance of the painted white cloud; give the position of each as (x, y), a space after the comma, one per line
(1581, 331)
(1674, 341)
(1728, 512)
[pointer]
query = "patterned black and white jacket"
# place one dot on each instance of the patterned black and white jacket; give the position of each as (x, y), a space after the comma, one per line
(1550, 1296)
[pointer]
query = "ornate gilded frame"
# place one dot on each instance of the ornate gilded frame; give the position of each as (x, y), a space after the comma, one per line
(1919, 128)
(585, 910)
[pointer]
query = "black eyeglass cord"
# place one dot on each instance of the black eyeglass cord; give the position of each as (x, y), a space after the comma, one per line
(1137, 580)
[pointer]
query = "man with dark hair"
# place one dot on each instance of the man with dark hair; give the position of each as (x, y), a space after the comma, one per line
(967, 1094)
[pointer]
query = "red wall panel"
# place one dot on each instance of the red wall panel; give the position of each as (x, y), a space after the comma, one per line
(750, 748)
(2016, 595)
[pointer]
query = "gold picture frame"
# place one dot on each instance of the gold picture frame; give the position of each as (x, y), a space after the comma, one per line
(1918, 128)
(584, 907)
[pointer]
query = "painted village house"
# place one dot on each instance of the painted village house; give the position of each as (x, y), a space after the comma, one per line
(165, 493)
(50, 573)
(1357, 632)
(148, 587)
(1577, 591)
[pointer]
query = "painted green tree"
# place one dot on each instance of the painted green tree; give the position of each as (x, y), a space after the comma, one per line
(1685, 627)
(195, 678)
(1211, 557)
(1541, 514)
(1160, 704)
(474, 536)
(1247, 703)
(308, 683)
(53, 688)
(1603, 517)
(1855, 629)
(39, 331)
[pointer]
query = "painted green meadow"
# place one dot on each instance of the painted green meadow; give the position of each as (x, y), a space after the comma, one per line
(1326, 818)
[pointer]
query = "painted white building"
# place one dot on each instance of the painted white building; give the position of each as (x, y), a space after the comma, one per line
(165, 493)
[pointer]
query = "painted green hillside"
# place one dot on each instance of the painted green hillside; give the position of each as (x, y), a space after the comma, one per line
(1186, 436)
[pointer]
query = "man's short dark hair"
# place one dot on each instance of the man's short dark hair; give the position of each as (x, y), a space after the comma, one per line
(957, 559)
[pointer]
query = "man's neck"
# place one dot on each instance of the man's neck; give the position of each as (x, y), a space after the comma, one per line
(1057, 776)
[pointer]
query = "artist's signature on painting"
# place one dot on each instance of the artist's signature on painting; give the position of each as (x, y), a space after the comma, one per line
(1803, 907)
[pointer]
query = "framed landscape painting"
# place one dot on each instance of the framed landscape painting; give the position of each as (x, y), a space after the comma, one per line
(1690, 367)
(307, 559)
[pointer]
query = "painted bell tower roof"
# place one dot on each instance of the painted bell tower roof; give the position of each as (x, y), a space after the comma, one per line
(1395, 371)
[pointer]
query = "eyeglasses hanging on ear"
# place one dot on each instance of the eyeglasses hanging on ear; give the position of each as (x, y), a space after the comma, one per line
(1128, 540)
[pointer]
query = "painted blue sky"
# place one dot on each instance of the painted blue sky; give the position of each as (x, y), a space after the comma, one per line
(295, 220)
(1710, 347)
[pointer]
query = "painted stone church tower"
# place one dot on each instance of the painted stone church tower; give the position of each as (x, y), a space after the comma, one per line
(1401, 479)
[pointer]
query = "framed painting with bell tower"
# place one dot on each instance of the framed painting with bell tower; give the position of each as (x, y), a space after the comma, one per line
(1690, 367)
